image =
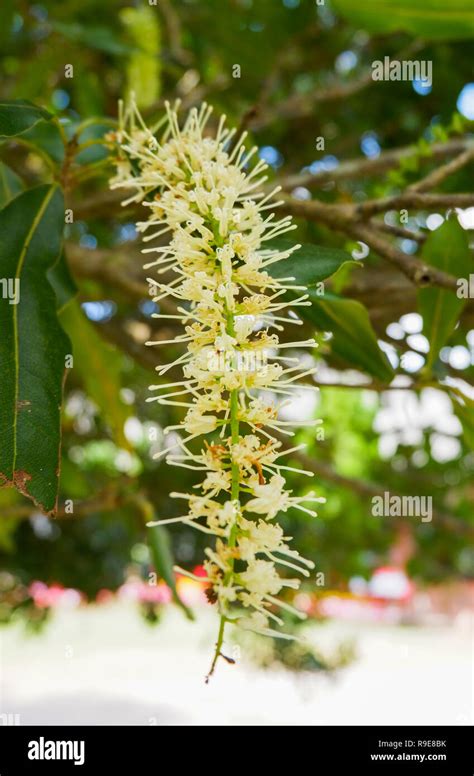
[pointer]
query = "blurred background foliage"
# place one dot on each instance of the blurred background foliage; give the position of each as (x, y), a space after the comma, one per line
(303, 75)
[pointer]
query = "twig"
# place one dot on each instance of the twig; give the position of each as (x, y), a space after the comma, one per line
(398, 231)
(354, 169)
(415, 199)
(416, 270)
(342, 219)
(438, 175)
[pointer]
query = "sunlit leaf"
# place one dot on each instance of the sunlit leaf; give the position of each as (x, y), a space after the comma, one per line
(310, 264)
(446, 248)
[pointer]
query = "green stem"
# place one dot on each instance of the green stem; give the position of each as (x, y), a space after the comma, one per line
(220, 639)
(234, 494)
(108, 122)
(89, 170)
(88, 143)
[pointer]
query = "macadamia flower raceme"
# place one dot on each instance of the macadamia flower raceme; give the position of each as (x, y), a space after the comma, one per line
(203, 193)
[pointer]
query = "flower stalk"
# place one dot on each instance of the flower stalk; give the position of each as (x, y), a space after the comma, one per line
(206, 200)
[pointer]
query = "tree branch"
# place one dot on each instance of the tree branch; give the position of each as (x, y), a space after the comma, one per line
(414, 269)
(415, 199)
(439, 174)
(353, 169)
(344, 218)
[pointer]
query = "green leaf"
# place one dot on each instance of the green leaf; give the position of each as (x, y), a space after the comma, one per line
(431, 19)
(310, 265)
(33, 347)
(99, 365)
(354, 340)
(62, 282)
(10, 184)
(447, 248)
(16, 116)
(45, 136)
(162, 557)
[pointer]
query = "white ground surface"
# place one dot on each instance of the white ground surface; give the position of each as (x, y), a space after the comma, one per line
(103, 665)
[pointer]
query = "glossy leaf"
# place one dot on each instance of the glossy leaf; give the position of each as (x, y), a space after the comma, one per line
(33, 346)
(311, 264)
(17, 116)
(354, 340)
(62, 282)
(447, 249)
(46, 137)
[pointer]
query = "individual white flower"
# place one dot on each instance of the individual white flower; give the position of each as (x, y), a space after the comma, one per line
(270, 498)
(259, 537)
(255, 622)
(261, 578)
(197, 423)
(217, 481)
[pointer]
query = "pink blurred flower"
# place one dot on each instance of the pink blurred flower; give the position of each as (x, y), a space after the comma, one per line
(46, 596)
(144, 592)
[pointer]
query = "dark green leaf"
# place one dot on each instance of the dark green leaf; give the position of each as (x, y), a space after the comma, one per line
(33, 347)
(447, 249)
(46, 136)
(310, 265)
(354, 340)
(62, 282)
(16, 116)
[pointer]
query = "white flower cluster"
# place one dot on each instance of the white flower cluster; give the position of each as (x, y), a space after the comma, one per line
(202, 191)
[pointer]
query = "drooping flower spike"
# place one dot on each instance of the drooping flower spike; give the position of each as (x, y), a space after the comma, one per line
(201, 190)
